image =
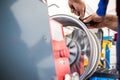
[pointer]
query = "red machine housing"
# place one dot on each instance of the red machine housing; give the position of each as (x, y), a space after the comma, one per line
(61, 52)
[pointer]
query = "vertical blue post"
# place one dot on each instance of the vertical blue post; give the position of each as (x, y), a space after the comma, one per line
(107, 57)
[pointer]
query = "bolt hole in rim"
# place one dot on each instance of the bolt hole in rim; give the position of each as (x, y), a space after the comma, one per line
(79, 46)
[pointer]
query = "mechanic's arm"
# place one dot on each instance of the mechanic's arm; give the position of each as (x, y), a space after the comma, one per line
(110, 21)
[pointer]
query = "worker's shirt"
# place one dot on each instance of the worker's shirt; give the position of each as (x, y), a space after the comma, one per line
(102, 6)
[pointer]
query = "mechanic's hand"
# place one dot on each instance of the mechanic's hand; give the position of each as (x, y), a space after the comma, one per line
(94, 17)
(77, 7)
(74, 76)
(109, 21)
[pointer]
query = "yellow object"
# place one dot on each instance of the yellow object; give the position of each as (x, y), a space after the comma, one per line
(102, 54)
(85, 62)
(106, 42)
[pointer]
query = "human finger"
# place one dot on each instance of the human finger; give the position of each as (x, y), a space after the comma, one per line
(77, 13)
(88, 19)
(82, 12)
